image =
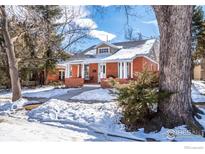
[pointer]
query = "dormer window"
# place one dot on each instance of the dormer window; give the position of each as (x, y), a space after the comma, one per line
(103, 50)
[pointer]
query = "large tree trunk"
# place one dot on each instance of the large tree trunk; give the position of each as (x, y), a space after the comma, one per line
(13, 70)
(175, 65)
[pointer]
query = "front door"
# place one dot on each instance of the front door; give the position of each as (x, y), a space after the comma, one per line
(101, 71)
(86, 72)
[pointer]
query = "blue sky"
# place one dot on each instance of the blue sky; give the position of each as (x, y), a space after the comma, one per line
(113, 21)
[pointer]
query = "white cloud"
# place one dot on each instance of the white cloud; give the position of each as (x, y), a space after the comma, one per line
(154, 22)
(86, 23)
(102, 35)
(83, 20)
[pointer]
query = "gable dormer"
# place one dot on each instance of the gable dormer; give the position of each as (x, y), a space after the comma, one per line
(106, 48)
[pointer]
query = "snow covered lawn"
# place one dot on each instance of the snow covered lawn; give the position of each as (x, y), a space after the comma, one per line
(99, 117)
(42, 92)
(8, 106)
(97, 94)
(21, 130)
(198, 91)
(103, 118)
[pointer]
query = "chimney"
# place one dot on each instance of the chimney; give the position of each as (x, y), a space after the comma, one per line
(106, 38)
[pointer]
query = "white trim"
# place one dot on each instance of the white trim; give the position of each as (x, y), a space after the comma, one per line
(67, 71)
(109, 61)
(78, 72)
(108, 44)
(125, 70)
(120, 70)
(147, 58)
(82, 71)
(101, 75)
(131, 69)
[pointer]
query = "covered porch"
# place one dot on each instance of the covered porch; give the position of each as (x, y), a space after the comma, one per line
(80, 73)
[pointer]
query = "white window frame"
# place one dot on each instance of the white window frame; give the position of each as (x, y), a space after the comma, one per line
(124, 70)
(61, 75)
(108, 50)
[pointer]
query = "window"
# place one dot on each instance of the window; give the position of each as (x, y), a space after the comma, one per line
(61, 76)
(86, 72)
(103, 50)
(124, 70)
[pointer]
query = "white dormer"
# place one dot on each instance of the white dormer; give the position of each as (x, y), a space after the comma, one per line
(103, 50)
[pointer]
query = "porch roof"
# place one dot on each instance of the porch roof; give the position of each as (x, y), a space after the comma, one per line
(96, 60)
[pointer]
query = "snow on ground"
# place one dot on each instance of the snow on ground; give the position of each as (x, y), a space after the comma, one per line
(198, 91)
(97, 94)
(48, 94)
(86, 119)
(101, 117)
(12, 129)
(43, 92)
(9, 106)
(27, 90)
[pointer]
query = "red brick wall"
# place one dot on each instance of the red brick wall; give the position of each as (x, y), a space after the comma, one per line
(137, 64)
(112, 69)
(151, 66)
(93, 73)
(74, 70)
(73, 82)
(141, 63)
(54, 74)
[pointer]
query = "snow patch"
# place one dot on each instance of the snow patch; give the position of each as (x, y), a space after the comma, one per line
(21, 130)
(103, 118)
(44, 92)
(9, 106)
(97, 94)
(198, 91)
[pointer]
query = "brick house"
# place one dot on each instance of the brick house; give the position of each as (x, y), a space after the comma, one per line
(58, 74)
(199, 69)
(117, 60)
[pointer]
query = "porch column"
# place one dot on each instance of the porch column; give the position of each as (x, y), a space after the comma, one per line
(82, 71)
(120, 69)
(78, 71)
(67, 71)
(131, 69)
(125, 70)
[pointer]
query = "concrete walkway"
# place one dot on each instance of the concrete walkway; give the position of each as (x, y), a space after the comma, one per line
(72, 93)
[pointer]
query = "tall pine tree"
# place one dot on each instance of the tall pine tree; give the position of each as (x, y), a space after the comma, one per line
(198, 33)
(48, 15)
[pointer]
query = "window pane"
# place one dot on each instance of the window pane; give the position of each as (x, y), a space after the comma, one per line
(103, 50)
(103, 68)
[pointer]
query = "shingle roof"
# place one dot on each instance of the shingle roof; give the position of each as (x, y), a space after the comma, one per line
(129, 49)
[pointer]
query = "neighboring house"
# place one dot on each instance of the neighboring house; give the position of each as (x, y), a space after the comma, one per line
(117, 60)
(199, 70)
(58, 74)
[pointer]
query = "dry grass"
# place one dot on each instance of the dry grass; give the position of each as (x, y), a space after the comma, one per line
(31, 107)
(1, 120)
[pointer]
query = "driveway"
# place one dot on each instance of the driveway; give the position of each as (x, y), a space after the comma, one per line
(72, 93)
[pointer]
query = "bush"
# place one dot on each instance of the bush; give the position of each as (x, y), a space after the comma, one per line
(55, 83)
(138, 100)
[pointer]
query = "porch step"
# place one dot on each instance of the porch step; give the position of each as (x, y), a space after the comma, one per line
(92, 85)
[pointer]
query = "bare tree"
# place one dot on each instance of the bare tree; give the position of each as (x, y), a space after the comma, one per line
(132, 35)
(9, 47)
(175, 65)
